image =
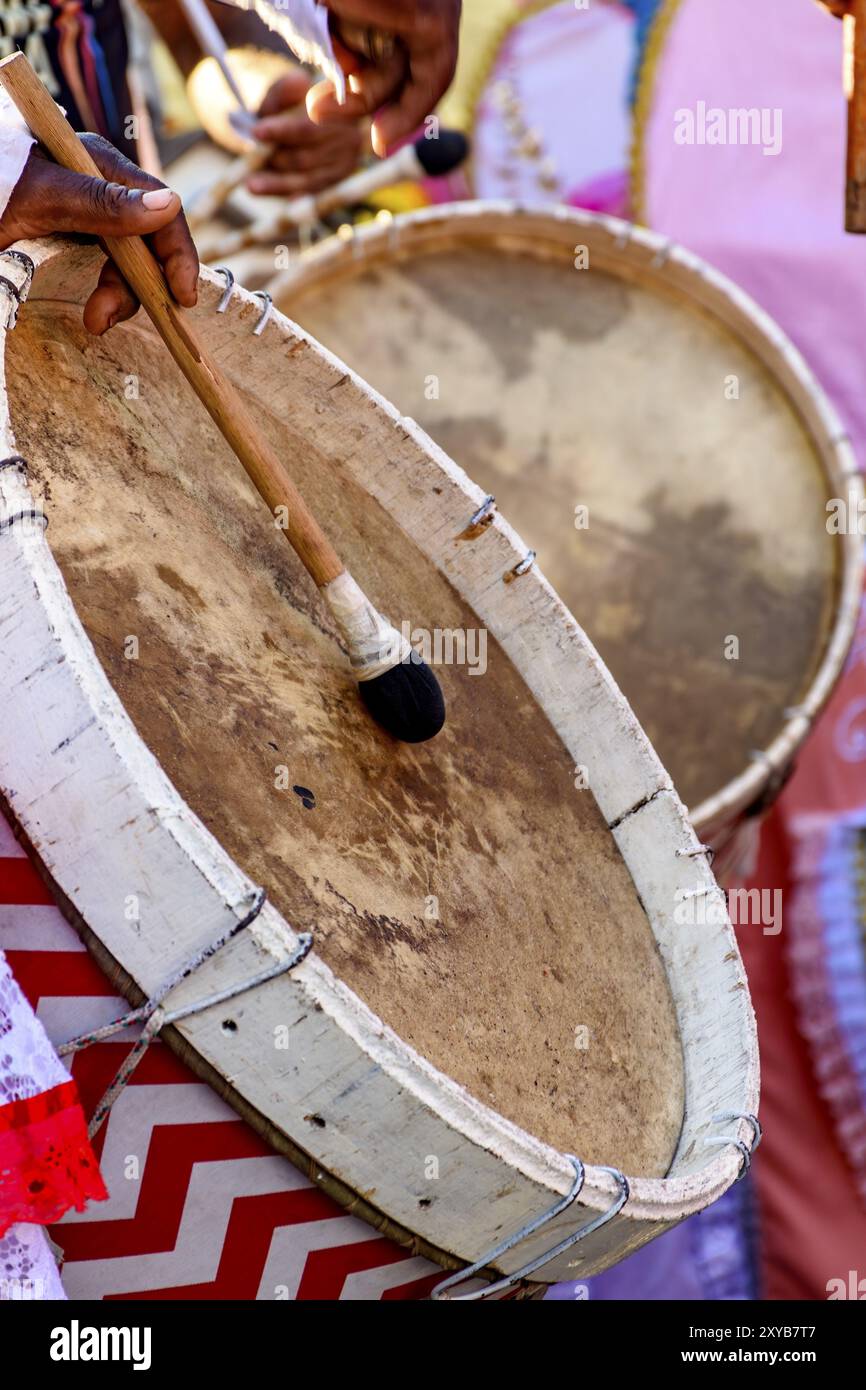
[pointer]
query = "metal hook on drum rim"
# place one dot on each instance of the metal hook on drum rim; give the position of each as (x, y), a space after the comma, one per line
(268, 301)
(23, 259)
(757, 1127)
(29, 270)
(722, 1141)
(661, 255)
(777, 780)
(266, 298)
(228, 276)
(696, 853)
(484, 513)
(510, 1280)
(15, 461)
(17, 294)
(463, 1274)
(522, 567)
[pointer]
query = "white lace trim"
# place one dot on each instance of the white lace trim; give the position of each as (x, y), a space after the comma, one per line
(28, 1062)
(28, 1270)
(28, 1065)
(15, 145)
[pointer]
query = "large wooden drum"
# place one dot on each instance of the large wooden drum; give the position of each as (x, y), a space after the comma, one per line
(651, 433)
(500, 975)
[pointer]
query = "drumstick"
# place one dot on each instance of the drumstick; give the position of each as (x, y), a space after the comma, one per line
(855, 83)
(399, 690)
(212, 43)
(214, 46)
(424, 159)
(204, 205)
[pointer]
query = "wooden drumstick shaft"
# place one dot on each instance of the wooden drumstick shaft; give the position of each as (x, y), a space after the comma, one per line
(144, 274)
(212, 43)
(208, 202)
(855, 82)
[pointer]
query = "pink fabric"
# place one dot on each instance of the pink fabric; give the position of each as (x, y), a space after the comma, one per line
(774, 224)
(812, 1227)
(570, 71)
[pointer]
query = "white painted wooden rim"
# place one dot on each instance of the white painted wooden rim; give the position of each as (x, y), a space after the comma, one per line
(97, 807)
(628, 250)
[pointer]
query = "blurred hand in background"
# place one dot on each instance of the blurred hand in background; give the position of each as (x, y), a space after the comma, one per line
(308, 156)
(404, 87)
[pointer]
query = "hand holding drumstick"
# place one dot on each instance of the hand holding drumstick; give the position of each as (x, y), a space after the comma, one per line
(405, 83)
(115, 199)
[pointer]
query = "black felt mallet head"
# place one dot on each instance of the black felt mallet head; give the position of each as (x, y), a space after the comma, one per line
(443, 154)
(406, 700)
(397, 687)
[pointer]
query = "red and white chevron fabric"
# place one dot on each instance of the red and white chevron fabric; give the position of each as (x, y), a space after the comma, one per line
(199, 1207)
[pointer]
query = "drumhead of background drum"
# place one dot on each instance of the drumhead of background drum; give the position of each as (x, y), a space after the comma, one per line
(638, 442)
(422, 872)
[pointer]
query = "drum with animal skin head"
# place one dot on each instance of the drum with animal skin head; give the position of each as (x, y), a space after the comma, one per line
(651, 433)
(499, 974)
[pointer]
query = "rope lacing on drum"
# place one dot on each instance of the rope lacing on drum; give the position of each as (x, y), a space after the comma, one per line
(476, 1295)
(27, 513)
(15, 461)
(155, 1017)
(16, 293)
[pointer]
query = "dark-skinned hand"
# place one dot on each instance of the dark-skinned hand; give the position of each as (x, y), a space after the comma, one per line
(308, 157)
(124, 202)
(405, 88)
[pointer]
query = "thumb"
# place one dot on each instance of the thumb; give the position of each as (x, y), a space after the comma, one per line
(286, 92)
(61, 201)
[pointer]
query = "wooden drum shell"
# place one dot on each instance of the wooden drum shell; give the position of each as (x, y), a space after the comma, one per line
(354, 1106)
